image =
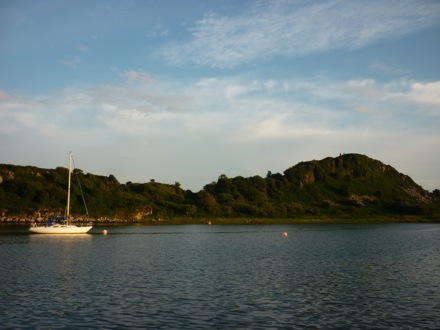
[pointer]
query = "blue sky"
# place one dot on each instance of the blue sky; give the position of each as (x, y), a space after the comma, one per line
(185, 90)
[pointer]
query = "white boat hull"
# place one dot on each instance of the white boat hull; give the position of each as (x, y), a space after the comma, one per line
(60, 229)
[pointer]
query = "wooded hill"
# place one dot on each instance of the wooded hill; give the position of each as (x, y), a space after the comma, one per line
(350, 186)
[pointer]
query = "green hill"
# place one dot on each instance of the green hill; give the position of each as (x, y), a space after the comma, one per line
(350, 186)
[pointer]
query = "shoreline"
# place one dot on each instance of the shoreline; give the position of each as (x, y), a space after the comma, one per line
(231, 221)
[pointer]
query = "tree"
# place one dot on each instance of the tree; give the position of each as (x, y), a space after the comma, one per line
(208, 201)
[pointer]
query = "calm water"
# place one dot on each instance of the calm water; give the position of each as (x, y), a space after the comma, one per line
(223, 277)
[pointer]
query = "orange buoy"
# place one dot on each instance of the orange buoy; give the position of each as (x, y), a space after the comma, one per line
(104, 232)
(284, 234)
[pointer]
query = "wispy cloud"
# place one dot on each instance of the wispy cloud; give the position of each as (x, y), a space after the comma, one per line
(82, 48)
(244, 108)
(238, 117)
(383, 67)
(158, 31)
(297, 28)
(137, 76)
(71, 61)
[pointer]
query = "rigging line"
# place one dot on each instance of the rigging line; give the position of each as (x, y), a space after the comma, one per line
(80, 188)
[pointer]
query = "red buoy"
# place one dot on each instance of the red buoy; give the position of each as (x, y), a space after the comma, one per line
(104, 232)
(284, 234)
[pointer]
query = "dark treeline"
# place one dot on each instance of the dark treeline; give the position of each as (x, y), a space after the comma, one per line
(348, 186)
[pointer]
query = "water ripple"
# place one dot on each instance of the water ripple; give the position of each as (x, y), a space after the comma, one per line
(226, 277)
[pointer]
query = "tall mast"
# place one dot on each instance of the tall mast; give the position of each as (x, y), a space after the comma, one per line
(68, 187)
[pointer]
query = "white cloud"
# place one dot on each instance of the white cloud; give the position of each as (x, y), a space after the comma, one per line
(262, 108)
(136, 76)
(425, 93)
(231, 121)
(296, 28)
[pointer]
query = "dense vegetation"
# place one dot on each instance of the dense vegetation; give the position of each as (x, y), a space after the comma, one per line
(350, 186)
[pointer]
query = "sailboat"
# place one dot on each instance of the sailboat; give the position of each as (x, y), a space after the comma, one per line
(61, 225)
